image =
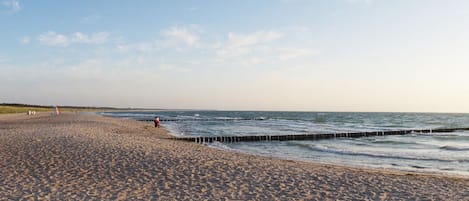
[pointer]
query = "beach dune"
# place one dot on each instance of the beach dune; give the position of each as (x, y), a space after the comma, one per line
(90, 157)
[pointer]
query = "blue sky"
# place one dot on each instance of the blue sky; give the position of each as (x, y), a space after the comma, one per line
(334, 55)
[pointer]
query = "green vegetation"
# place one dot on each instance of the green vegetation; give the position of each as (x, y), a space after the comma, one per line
(6, 108)
(19, 109)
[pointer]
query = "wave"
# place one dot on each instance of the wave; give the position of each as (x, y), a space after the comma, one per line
(351, 153)
(451, 148)
(394, 142)
(221, 146)
(451, 137)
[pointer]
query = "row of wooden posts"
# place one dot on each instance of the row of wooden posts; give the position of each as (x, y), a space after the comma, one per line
(238, 119)
(312, 136)
(210, 139)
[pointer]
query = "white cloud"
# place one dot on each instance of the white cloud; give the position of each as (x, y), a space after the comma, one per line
(13, 5)
(54, 39)
(136, 47)
(179, 38)
(189, 35)
(238, 40)
(96, 38)
(261, 47)
(25, 40)
(239, 45)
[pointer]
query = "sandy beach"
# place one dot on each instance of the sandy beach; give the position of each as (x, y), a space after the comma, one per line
(90, 157)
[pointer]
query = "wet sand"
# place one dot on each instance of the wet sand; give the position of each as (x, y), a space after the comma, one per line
(89, 157)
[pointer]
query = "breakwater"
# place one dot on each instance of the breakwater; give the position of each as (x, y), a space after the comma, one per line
(315, 136)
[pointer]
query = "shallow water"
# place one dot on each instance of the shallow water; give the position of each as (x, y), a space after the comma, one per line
(435, 152)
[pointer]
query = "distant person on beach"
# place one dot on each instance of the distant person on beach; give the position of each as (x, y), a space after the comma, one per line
(157, 122)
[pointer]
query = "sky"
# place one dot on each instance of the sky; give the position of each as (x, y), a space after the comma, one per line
(289, 55)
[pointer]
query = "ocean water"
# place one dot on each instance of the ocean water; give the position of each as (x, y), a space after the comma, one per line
(446, 153)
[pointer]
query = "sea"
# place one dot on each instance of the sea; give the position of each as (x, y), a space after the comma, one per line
(446, 153)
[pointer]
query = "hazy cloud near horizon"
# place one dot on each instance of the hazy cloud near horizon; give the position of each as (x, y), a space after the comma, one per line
(294, 55)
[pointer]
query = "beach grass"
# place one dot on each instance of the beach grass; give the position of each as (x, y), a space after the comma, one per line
(21, 109)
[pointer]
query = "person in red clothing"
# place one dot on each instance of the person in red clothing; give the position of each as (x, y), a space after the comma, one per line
(157, 122)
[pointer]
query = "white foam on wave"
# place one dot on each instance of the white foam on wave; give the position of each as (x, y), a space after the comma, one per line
(222, 146)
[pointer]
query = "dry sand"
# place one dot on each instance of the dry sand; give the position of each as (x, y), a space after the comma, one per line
(89, 157)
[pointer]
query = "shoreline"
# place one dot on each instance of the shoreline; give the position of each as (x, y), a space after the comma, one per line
(366, 168)
(95, 157)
